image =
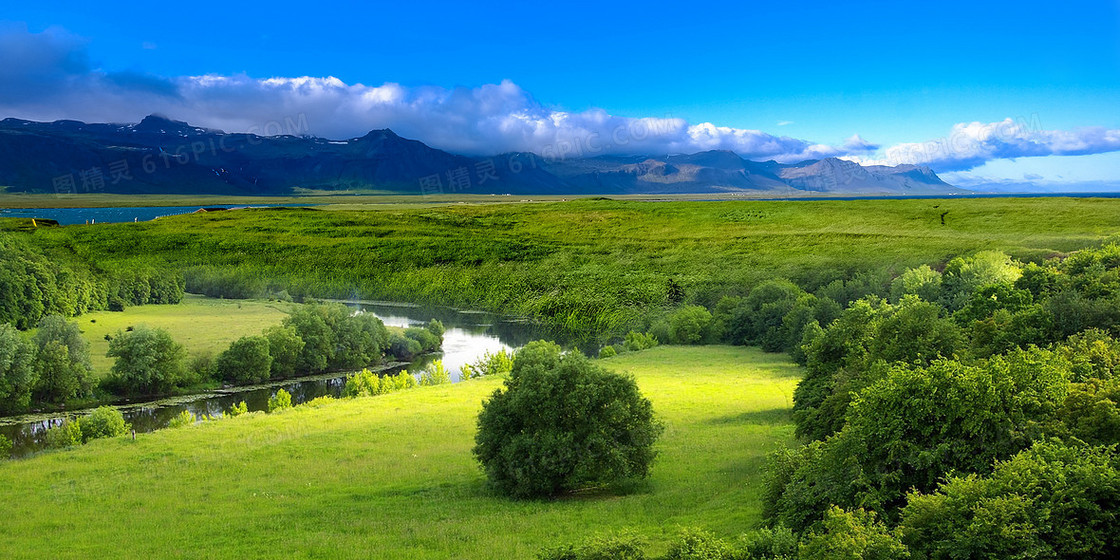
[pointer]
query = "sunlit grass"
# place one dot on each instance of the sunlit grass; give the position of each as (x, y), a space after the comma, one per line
(392, 476)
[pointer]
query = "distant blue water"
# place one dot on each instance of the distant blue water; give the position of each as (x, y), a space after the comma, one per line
(68, 216)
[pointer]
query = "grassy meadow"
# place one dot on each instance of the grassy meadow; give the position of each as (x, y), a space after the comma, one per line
(588, 266)
(202, 325)
(393, 477)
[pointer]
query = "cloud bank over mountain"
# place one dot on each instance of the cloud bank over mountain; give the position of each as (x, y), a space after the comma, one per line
(49, 76)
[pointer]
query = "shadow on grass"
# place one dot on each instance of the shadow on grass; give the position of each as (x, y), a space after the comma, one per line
(768, 416)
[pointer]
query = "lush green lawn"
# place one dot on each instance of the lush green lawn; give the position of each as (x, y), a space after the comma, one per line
(199, 323)
(393, 477)
(591, 266)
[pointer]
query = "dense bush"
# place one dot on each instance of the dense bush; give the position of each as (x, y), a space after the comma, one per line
(600, 548)
(17, 371)
(906, 430)
(149, 362)
(1050, 501)
(845, 535)
(237, 409)
(284, 347)
(5, 447)
(498, 363)
(279, 401)
(182, 420)
(562, 423)
(66, 434)
(247, 360)
(334, 338)
(103, 422)
(62, 361)
(367, 383)
(434, 374)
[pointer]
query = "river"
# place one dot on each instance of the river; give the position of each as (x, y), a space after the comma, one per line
(469, 335)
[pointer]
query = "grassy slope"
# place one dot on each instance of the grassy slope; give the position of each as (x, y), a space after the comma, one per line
(199, 323)
(393, 477)
(589, 265)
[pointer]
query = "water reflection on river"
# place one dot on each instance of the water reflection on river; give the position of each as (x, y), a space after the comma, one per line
(469, 335)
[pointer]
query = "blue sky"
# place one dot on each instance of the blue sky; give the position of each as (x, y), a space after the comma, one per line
(891, 72)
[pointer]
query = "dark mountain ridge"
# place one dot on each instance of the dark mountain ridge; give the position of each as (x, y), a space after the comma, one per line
(161, 155)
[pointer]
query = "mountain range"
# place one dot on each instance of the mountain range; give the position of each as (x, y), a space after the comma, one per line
(163, 156)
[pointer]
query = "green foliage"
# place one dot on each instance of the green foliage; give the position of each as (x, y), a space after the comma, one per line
(237, 409)
(965, 275)
(607, 352)
(689, 324)
(695, 544)
(17, 371)
(66, 434)
(336, 339)
(404, 348)
(1049, 501)
(247, 360)
(766, 543)
(599, 548)
(103, 422)
(921, 281)
(285, 347)
(434, 374)
(62, 361)
(427, 340)
(636, 341)
(364, 383)
(5, 448)
(909, 428)
(563, 423)
(182, 420)
(498, 364)
(279, 401)
(1091, 412)
(848, 535)
(149, 362)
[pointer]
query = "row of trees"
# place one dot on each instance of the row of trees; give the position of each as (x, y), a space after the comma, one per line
(34, 285)
(53, 367)
(314, 338)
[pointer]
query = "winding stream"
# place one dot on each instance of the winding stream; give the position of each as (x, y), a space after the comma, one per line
(469, 335)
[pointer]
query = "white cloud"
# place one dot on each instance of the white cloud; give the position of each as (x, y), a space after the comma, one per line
(55, 81)
(969, 145)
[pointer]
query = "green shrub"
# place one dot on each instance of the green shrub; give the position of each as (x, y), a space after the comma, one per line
(689, 324)
(103, 422)
(776, 543)
(636, 341)
(435, 374)
(182, 420)
(401, 381)
(66, 434)
(5, 448)
(428, 341)
(607, 352)
(490, 364)
(61, 361)
(846, 535)
(553, 404)
(318, 402)
(148, 362)
(247, 360)
(598, 548)
(17, 371)
(284, 346)
(237, 409)
(403, 348)
(362, 384)
(694, 544)
(281, 400)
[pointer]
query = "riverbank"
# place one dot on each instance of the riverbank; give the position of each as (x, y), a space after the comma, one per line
(393, 475)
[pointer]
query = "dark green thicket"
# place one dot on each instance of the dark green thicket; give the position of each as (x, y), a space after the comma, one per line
(561, 424)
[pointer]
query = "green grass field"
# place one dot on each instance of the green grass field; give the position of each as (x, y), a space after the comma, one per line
(393, 477)
(588, 266)
(201, 324)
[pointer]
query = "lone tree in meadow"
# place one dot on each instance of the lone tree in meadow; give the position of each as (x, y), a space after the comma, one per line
(563, 423)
